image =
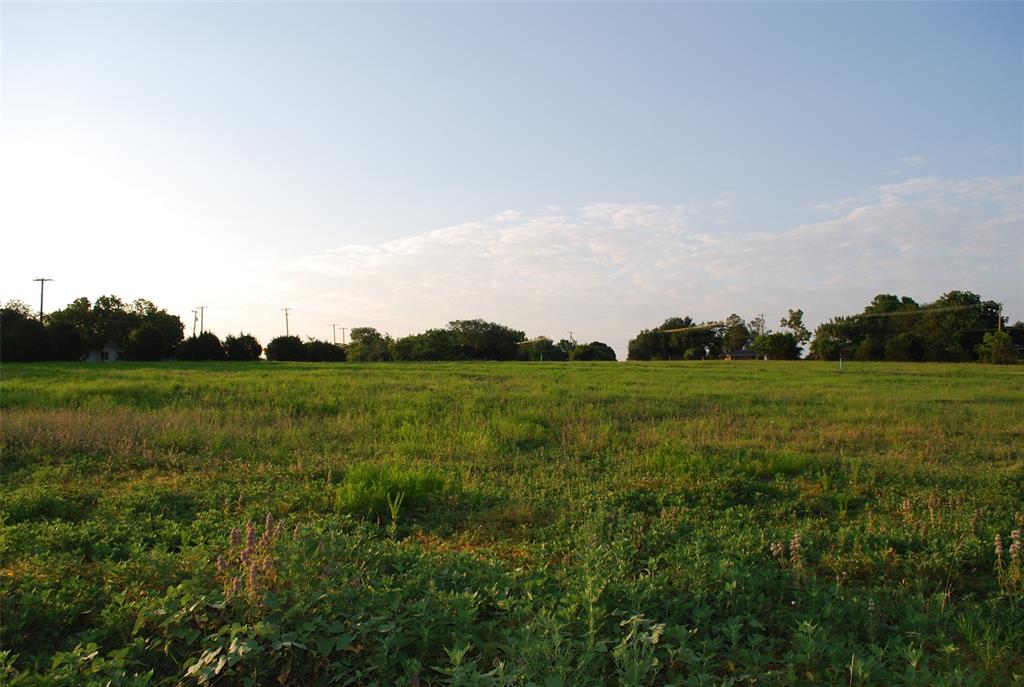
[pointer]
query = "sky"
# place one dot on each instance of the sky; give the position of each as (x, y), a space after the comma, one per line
(556, 167)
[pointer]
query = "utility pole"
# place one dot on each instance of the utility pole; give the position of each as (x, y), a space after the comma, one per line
(195, 318)
(201, 308)
(571, 340)
(286, 330)
(334, 333)
(343, 330)
(42, 283)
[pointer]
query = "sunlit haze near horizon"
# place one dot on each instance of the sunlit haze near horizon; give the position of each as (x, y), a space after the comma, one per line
(593, 168)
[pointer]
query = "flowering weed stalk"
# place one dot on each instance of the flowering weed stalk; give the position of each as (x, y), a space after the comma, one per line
(1009, 573)
(247, 567)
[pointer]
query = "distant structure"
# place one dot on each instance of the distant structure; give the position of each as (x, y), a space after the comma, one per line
(110, 353)
(742, 354)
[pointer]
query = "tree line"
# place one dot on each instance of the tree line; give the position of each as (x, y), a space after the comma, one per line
(143, 332)
(958, 326)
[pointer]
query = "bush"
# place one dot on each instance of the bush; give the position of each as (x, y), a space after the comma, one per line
(286, 348)
(242, 347)
(324, 352)
(206, 346)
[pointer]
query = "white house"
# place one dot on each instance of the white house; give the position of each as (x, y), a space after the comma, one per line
(108, 354)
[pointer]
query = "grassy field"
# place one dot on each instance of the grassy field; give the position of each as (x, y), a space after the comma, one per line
(521, 524)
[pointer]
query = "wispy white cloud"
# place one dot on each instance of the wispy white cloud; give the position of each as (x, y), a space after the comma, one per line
(915, 160)
(607, 270)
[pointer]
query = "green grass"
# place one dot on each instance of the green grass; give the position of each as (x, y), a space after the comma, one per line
(511, 523)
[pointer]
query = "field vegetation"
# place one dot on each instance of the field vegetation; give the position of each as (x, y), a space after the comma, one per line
(690, 523)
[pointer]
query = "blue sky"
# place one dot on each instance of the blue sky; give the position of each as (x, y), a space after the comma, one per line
(594, 167)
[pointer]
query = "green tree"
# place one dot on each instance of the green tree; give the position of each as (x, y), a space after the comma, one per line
(954, 325)
(997, 347)
(205, 346)
(794, 322)
(324, 352)
(242, 347)
(145, 342)
(23, 338)
(777, 346)
(595, 350)
(111, 320)
(736, 335)
(542, 348)
(433, 344)
(367, 345)
(482, 340)
(286, 348)
(66, 342)
(695, 341)
(870, 348)
(905, 347)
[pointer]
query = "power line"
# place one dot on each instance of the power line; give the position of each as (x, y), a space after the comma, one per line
(709, 325)
(918, 311)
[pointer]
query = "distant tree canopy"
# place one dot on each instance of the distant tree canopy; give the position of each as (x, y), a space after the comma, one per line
(205, 346)
(543, 348)
(951, 329)
(140, 329)
(777, 346)
(894, 328)
(242, 347)
(460, 340)
(145, 342)
(595, 350)
(433, 344)
(323, 352)
(22, 337)
(958, 326)
(997, 348)
(697, 342)
(369, 346)
(286, 348)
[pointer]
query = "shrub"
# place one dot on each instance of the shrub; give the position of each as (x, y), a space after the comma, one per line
(206, 346)
(242, 347)
(286, 348)
(322, 351)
